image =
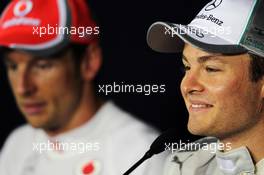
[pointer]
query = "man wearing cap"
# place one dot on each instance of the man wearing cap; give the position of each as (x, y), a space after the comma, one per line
(223, 87)
(51, 64)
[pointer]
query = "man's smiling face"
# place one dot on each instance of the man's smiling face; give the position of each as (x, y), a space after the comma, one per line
(218, 93)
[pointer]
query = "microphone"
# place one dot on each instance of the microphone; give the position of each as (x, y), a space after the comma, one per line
(156, 147)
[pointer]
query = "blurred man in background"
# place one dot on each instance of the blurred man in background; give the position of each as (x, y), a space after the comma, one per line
(52, 55)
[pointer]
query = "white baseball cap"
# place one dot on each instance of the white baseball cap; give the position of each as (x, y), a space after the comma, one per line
(222, 26)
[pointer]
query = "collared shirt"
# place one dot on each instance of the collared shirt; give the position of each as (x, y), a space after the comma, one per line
(208, 162)
(108, 144)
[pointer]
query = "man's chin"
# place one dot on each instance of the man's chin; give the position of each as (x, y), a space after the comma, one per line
(37, 125)
(36, 121)
(198, 130)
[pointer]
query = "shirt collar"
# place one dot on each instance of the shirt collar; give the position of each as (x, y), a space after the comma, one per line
(235, 161)
(260, 166)
(89, 130)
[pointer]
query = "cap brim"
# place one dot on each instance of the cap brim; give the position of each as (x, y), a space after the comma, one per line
(170, 38)
(41, 53)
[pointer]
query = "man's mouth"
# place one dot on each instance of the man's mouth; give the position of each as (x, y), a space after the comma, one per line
(33, 108)
(199, 106)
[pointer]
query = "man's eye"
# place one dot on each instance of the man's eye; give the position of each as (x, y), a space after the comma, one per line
(186, 68)
(43, 65)
(211, 69)
(11, 66)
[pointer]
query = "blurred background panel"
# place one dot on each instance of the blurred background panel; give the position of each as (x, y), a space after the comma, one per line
(128, 60)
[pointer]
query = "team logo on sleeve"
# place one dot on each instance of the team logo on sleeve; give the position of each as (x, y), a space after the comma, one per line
(22, 8)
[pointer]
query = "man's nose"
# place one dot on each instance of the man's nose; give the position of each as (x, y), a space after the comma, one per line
(191, 83)
(25, 83)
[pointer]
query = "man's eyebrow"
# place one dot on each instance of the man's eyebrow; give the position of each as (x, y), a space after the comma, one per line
(206, 58)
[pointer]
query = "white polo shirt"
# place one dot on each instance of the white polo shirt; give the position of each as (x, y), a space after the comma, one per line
(207, 162)
(106, 145)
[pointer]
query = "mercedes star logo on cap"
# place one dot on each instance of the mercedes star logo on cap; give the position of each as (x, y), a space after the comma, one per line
(214, 4)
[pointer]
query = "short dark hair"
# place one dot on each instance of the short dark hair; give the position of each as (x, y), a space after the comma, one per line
(256, 67)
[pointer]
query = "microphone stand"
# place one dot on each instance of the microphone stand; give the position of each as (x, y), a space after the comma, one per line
(147, 155)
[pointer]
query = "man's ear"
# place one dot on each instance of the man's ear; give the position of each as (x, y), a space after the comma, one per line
(91, 62)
